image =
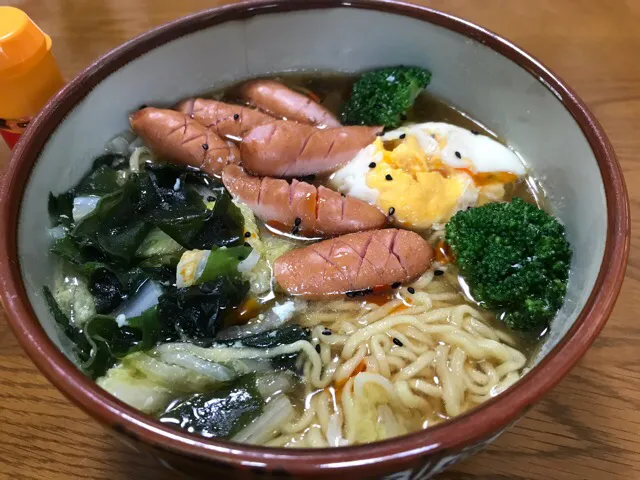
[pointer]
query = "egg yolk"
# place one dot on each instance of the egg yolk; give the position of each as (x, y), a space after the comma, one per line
(407, 156)
(419, 196)
(422, 190)
(188, 265)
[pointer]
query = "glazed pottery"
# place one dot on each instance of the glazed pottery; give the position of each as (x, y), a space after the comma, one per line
(475, 70)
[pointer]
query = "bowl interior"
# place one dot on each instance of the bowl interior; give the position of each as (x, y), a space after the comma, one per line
(486, 85)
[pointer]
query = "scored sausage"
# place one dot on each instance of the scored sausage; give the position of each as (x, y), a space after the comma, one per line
(289, 149)
(279, 100)
(174, 136)
(225, 119)
(300, 207)
(353, 262)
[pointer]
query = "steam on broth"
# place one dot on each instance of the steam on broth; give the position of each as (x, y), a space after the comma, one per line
(230, 309)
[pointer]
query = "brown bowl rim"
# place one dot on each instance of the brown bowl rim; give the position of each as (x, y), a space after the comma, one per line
(466, 429)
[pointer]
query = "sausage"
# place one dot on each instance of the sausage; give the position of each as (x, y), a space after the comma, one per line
(278, 100)
(224, 119)
(290, 149)
(174, 136)
(353, 262)
(300, 207)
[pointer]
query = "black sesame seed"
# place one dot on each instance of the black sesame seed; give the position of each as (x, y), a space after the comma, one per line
(403, 136)
(392, 211)
(295, 230)
(205, 146)
(372, 165)
(326, 332)
(458, 155)
(236, 116)
(297, 221)
(397, 342)
(396, 285)
(437, 273)
(318, 348)
(211, 198)
(247, 234)
(475, 132)
(411, 290)
(388, 177)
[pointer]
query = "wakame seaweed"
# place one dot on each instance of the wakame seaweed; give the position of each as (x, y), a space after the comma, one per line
(186, 314)
(271, 338)
(274, 338)
(219, 414)
(161, 203)
(105, 279)
(158, 196)
(221, 226)
(196, 312)
(107, 174)
(101, 341)
(60, 209)
(116, 227)
(104, 244)
(107, 290)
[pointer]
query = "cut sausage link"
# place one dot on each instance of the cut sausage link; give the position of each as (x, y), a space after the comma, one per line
(300, 206)
(279, 100)
(354, 262)
(224, 119)
(289, 149)
(174, 136)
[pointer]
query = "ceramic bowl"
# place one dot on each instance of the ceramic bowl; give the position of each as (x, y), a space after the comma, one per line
(482, 74)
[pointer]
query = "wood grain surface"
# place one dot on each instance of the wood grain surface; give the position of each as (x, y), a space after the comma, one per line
(587, 428)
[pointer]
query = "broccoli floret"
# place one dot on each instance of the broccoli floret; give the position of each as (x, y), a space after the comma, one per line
(382, 97)
(515, 259)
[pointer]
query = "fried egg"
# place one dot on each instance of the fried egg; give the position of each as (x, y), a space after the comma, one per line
(422, 174)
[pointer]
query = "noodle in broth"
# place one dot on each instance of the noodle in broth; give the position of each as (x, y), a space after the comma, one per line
(412, 362)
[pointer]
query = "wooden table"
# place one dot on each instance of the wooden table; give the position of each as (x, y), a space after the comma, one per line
(587, 428)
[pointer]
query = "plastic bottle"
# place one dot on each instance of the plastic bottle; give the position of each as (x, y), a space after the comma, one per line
(29, 75)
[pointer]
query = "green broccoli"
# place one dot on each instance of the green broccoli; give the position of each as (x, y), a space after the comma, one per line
(382, 97)
(515, 259)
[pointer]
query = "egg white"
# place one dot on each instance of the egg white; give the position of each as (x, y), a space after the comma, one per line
(478, 152)
(352, 178)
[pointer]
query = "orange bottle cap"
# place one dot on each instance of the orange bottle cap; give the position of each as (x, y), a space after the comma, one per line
(22, 43)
